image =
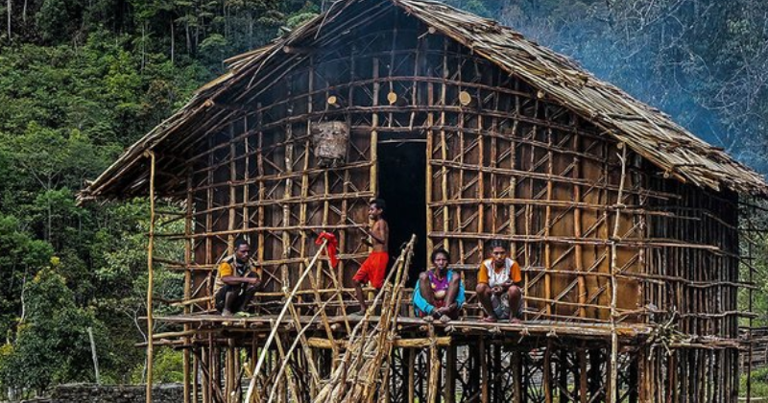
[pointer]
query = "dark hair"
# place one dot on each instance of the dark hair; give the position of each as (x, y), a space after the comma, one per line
(380, 203)
(240, 242)
(497, 243)
(439, 251)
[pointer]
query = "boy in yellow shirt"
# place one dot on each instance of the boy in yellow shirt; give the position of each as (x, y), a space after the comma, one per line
(236, 282)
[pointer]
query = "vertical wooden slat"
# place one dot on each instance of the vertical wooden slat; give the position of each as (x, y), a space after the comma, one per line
(231, 209)
(449, 390)
(150, 275)
(429, 174)
(577, 230)
(548, 221)
(547, 372)
(411, 363)
(188, 241)
(374, 131)
(480, 194)
(262, 188)
(287, 193)
(517, 377)
(484, 373)
(583, 375)
(444, 146)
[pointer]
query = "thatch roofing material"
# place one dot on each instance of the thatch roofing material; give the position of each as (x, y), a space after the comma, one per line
(646, 130)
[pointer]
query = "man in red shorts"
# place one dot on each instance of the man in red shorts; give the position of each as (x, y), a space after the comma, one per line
(375, 266)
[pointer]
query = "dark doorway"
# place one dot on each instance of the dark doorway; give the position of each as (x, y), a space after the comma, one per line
(402, 184)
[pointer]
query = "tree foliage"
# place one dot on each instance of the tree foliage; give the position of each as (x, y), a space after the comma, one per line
(701, 61)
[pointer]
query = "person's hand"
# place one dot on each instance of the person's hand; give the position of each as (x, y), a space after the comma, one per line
(496, 290)
(443, 310)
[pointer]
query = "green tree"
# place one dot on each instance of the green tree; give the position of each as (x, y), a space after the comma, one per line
(20, 258)
(52, 344)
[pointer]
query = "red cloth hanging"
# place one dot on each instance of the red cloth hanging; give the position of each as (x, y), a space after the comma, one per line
(333, 245)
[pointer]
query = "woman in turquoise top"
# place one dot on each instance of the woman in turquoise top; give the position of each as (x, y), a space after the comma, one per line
(439, 294)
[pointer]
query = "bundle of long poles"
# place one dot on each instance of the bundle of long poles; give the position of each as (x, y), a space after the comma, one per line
(355, 379)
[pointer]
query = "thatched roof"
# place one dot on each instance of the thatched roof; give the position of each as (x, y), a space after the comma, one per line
(646, 130)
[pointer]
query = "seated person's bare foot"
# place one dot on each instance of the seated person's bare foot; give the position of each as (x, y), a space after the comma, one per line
(226, 312)
(515, 320)
(445, 319)
(428, 319)
(489, 319)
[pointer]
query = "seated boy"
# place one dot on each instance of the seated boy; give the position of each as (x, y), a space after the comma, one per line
(236, 282)
(439, 294)
(498, 287)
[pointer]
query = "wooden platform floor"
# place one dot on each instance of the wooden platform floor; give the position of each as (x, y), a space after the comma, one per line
(462, 326)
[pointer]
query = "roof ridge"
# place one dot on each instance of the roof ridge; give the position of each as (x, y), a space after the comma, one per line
(644, 128)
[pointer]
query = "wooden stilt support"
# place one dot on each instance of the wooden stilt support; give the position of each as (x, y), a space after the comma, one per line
(276, 326)
(150, 274)
(449, 389)
(613, 376)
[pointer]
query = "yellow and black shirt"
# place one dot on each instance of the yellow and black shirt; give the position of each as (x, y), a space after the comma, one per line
(231, 267)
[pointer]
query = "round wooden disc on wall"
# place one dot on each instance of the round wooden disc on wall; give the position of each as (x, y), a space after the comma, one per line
(464, 98)
(392, 98)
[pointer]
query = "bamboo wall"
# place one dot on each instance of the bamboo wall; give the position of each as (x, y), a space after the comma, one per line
(504, 161)
(598, 230)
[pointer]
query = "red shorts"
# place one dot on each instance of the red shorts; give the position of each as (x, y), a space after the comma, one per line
(373, 269)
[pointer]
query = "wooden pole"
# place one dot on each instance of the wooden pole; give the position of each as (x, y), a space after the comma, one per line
(94, 356)
(484, 374)
(276, 326)
(434, 367)
(450, 375)
(187, 290)
(150, 272)
(296, 341)
(614, 268)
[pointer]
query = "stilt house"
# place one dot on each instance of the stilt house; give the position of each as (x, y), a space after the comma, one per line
(626, 225)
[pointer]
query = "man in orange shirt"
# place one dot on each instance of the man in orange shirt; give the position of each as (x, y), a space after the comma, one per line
(498, 286)
(236, 282)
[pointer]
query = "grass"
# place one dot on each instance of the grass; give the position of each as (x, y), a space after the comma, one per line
(759, 383)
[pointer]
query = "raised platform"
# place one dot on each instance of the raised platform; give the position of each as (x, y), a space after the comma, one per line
(410, 325)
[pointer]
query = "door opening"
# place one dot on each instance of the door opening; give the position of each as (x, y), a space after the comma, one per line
(402, 184)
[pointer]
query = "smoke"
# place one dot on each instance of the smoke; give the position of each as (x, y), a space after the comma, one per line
(703, 62)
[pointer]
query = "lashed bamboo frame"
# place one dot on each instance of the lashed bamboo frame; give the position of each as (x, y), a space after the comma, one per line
(679, 231)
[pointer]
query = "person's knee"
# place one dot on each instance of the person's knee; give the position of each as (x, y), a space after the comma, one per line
(253, 288)
(514, 292)
(423, 278)
(483, 289)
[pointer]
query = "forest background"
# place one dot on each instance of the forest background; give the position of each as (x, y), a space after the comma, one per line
(80, 80)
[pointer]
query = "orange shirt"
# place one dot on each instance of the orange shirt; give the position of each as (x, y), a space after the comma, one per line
(510, 271)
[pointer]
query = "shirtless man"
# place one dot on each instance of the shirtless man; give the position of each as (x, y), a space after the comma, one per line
(375, 266)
